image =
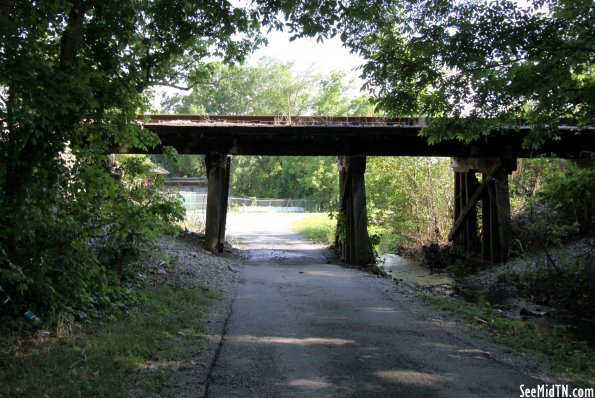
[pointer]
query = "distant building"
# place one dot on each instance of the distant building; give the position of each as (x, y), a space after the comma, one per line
(192, 189)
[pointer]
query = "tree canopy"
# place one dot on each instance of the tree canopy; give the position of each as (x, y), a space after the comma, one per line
(271, 87)
(481, 64)
(73, 76)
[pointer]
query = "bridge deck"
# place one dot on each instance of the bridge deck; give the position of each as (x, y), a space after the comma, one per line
(269, 135)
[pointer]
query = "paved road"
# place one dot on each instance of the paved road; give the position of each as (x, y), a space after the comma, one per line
(300, 327)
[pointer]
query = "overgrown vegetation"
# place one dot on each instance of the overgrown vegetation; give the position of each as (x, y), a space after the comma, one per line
(74, 75)
(409, 201)
(319, 228)
(565, 357)
(98, 359)
(79, 252)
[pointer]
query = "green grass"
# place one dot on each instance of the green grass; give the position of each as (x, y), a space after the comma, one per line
(100, 360)
(319, 228)
(571, 359)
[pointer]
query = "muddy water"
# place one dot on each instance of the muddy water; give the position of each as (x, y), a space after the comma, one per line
(410, 271)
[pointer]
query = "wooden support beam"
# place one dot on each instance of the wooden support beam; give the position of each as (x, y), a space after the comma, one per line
(487, 224)
(466, 211)
(471, 185)
(361, 240)
(342, 233)
(354, 247)
(502, 202)
(216, 171)
(224, 203)
(341, 170)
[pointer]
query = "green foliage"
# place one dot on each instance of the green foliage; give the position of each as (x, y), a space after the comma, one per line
(270, 88)
(99, 360)
(299, 177)
(529, 178)
(136, 216)
(575, 188)
(73, 77)
(319, 228)
(481, 64)
(570, 358)
(181, 165)
(409, 198)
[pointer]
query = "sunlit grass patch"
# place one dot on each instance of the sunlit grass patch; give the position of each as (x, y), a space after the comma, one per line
(100, 360)
(319, 228)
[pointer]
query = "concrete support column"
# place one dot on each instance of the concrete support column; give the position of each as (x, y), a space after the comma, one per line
(217, 196)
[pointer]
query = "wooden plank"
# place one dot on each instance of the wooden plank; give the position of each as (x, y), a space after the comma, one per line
(473, 200)
(486, 225)
(296, 120)
(339, 245)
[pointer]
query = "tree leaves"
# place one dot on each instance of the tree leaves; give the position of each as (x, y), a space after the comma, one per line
(500, 61)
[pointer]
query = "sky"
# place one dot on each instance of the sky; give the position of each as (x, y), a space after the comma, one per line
(306, 55)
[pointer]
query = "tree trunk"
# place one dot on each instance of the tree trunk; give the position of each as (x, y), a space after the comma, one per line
(71, 38)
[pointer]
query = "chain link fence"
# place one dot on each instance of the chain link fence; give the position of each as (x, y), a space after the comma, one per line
(197, 202)
(272, 205)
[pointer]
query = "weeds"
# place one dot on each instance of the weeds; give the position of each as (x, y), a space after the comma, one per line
(319, 228)
(571, 359)
(99, 360)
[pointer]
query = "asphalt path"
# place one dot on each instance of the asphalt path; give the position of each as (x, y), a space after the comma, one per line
(301, 327)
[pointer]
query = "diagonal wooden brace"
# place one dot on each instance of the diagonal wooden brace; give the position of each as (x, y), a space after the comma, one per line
(473, 200)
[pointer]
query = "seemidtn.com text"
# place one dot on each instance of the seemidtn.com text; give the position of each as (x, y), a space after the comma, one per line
(555, 391)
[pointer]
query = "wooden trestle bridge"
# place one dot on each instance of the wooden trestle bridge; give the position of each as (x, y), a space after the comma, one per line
(351, 140)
